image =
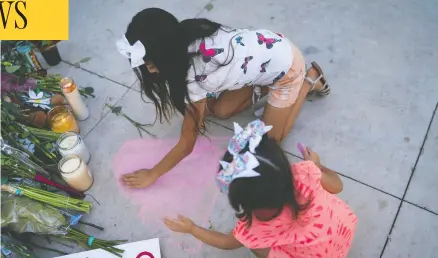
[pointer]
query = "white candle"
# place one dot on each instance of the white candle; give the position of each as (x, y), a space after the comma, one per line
(73, 97)
(71, 143)
(75, 173)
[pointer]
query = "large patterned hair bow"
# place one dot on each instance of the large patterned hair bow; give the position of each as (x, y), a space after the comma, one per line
(135, 52)
(243, 165)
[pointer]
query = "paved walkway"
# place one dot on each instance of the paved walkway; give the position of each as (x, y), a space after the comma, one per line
(379, 127)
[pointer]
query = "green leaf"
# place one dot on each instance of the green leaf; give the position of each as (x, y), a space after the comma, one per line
(12, 69)
(21, 79)
(89, 90)
(49, 146)
(24, 134)
(117, 109)
(209, 7)
(85, 60)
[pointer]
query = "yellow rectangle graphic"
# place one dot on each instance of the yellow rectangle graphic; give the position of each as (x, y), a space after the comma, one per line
(34, 20)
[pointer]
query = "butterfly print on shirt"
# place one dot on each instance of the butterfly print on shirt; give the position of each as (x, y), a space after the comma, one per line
(239, 41)
(279, 77)
(200, 78)
(211, 95)
(263, 66)
(268, 41)
(208, 54)
(245, 64)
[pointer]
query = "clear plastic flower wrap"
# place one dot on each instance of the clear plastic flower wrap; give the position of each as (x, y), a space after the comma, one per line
(21, 214)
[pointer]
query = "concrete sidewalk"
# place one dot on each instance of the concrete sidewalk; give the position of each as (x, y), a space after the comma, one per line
(379, 128)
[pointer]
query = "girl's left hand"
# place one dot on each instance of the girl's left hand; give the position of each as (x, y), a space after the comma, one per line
(140, 179)
(180, 225)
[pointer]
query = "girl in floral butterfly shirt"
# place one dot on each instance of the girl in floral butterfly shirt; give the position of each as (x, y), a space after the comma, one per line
(283, 210)
(201, 68)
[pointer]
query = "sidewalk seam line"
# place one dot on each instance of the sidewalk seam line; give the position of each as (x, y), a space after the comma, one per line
(98, 75)
(343, 175)
(421, 207)
(409, 181)
(106, 114)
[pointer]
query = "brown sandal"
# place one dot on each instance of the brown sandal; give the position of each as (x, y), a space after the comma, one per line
(325, 89)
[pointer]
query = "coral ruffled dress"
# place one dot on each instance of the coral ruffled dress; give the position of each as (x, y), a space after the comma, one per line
(325, 229)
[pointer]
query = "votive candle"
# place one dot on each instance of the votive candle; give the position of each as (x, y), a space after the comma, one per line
(75, 173)
(61, 120)
(72, 143)
(73, 97)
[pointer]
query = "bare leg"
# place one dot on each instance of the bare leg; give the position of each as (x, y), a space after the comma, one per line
(283, 119)
(231, 102)
(296, 107)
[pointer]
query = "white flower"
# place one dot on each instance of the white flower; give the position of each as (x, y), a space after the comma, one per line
(38, 100)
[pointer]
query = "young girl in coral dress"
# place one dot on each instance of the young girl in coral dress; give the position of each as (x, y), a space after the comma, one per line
(283, 210)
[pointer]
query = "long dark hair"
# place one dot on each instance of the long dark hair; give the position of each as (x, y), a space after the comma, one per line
(273, 190)
(166, 41)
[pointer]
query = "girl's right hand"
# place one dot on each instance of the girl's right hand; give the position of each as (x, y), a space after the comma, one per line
(180, 225)
(309, 154)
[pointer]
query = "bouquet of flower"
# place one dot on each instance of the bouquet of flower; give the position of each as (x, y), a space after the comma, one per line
(23, 215)
(14, 80)
(17, 77)
(10, 166)
(13, 248)
(16, 165)
(20, 137)
(49, 198)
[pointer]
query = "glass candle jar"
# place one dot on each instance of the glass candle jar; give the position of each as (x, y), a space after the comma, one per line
(75, 173)
(61, 120)
(72, 143)
(71, 93)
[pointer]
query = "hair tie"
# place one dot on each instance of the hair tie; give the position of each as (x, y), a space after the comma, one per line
(135, 52)
(18, 192)
(90, 241)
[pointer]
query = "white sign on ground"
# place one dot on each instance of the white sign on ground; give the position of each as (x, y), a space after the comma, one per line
(141, 249)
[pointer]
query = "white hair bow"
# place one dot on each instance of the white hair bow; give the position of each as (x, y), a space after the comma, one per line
(243, 165)
(135, 52)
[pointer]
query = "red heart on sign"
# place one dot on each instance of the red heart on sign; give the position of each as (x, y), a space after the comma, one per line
(143, 254)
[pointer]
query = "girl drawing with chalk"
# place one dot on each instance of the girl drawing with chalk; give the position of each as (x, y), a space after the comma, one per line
(199, 68)
(283, 210)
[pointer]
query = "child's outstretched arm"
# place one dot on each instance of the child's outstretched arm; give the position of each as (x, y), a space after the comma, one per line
(145, 177)
(330, 180)
(210, 237)
(187, 140)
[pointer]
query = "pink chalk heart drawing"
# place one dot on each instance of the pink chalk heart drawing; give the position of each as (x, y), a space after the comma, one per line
(188, 189)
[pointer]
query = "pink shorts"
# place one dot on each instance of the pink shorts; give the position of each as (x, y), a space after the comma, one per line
(285, 91)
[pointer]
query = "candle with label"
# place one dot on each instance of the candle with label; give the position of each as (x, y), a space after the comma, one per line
(26, 50)
(72, 143)
(61, 120)
(73, 97)
(75, 173)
